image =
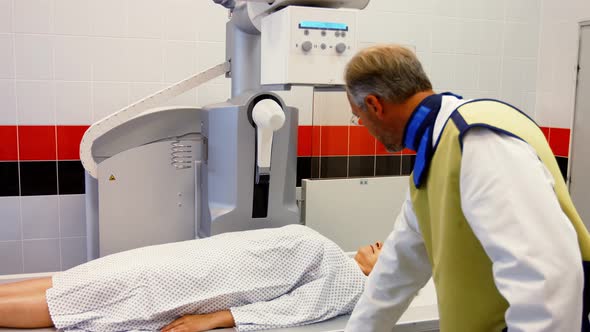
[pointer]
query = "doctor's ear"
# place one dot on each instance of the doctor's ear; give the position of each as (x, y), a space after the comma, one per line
(374, 105)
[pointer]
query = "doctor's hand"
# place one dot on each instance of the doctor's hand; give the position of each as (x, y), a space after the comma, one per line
(198, 323)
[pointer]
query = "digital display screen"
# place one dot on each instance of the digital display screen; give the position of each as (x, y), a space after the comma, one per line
(323, 25)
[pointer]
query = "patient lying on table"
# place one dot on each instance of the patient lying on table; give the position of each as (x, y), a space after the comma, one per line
(253, 280)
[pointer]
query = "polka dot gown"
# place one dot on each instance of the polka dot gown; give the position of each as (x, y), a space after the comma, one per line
(269, 278)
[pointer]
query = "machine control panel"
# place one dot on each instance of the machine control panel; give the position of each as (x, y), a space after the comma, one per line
(307, 45)
(324, 36)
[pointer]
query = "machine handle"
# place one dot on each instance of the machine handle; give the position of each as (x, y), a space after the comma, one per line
(268, 115)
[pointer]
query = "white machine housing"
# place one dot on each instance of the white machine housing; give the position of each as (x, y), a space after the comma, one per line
(306, 45)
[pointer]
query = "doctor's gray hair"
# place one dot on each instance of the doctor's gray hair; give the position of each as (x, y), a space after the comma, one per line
(392, 72)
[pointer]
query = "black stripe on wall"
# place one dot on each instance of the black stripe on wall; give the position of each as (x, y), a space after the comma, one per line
(9, 178)
(333, 167)
(388, 166)
(563, 163)
(303, 169)
(70, 177)
(38, 178)
(408, 164)
(362, 166)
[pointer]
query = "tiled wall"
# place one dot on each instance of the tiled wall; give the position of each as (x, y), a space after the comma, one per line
(63, 65)
(558, 56)
(334, 148)
(67, 63)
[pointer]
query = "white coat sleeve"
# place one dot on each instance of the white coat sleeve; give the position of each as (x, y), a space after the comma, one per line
(402, 269)
(508, 200)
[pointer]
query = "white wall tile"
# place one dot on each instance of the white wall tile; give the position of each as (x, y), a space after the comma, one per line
(146, 19)
(211, 22)
(33, 16)
(73, 103)
(73, 17)
(399, 29)
(73, 252)
(109, 18)
(490, 70)
(370, 27)
(189, 98)
(491, 38)
(73, 58)
(10, 219)
(420, 33)
(35, 102)
(521, 40)
(582, 9)
(213, 93)
(472, 9)
(40, 217)
(34, 57)
(5, 16)
(180, 60)
(512, 90)
(529, 75)
(209, 55)
(422, 7)
(6, 56)
(300, 97)
(41, 256)
(494, 10)
(426, 61)
(493, 94)
(111, 59)
(72, 215)
(108, 98)
(530, 104)
(523, 10)
(138, 91)
(331, 108)
(444, 34)
(146, 60)
(446, 8)
(179, 20)
(468, 35)
(399, 6)
(7, 102)
(467, 71)
(11, 257)
(442, 72)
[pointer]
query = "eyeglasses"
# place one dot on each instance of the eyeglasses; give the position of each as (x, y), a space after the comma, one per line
(355, 120)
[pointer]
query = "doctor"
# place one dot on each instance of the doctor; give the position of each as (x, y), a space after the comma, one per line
(488, 214)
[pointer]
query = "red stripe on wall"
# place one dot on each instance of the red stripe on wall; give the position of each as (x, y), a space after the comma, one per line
(68, 142)
(8, 143)
(41, 142)
(361, 142)
(316, 135)
(334, 141)
(545, 131)
(304, 139)
(559, 141)
(37, 143)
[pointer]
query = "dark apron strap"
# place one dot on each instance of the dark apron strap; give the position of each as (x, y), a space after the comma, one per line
(586, 308)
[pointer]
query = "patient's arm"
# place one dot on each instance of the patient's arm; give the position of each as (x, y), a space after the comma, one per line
(316, 301)
(198, 323)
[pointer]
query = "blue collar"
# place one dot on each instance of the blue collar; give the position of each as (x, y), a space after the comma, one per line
(418, 133)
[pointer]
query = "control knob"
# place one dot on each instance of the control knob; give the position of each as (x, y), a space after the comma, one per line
(306, 46)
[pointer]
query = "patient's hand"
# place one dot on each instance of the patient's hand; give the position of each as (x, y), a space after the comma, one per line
(198, 323)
